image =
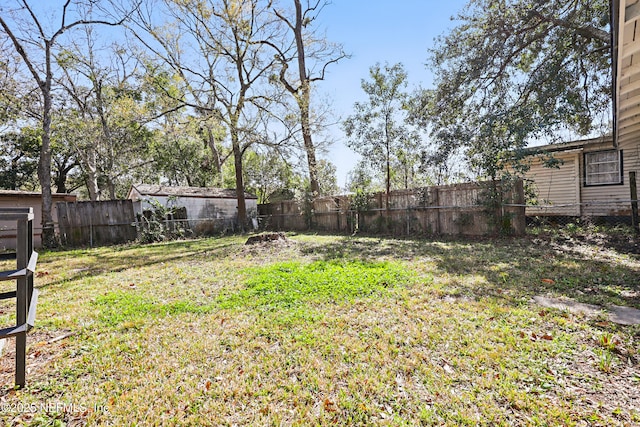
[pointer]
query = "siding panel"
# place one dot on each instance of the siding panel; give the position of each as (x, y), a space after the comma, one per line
(555, 188)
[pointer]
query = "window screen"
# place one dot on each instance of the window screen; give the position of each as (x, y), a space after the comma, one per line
(603, 167)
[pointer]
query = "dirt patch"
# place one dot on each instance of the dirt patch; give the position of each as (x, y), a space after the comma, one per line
(43, 347)
(266, 238)
(624, 243)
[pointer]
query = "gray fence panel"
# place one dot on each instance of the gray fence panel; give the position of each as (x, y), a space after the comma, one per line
(96, 223)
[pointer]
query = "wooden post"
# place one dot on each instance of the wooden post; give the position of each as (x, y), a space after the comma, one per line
(519, 220)
(436, 203)
(634, 201)
(22, 258)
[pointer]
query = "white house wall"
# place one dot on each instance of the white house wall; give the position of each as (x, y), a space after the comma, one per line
(612, 199)
(556, 189)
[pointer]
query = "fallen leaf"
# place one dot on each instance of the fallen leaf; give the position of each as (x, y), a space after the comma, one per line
(329, 406)
(546, 337)
(207, 385)
(543, 313)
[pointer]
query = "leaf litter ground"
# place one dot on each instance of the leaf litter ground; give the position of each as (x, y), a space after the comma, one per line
(320, 330)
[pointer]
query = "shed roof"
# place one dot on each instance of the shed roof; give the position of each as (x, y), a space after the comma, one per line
(20, 193)
(569, 145)
(196, 192)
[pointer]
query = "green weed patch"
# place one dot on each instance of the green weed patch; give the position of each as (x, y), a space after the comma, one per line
(290, 284)
(122, 307)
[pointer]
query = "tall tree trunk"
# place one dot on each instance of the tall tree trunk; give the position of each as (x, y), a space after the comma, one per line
(92, 185)
(44, 162)
(217, 163)
(388, 182)
(88, 164)
(242, 207)
(106, 132)
(14, 173)
(388, 160)
(112, 188)
(44, 176)
(237, 159)
(61, 181)
(304, 103)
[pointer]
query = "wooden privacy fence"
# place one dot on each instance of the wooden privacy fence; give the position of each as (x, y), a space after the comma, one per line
(467, 209)
(96, 223)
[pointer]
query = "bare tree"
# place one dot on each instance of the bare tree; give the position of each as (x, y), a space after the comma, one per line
(104, 86)
(312, 55)
(211, 45)
(36, 47)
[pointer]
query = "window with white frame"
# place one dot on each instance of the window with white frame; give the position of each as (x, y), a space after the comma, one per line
(603, 167)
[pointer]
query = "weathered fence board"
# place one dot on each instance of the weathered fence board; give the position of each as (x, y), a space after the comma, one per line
(451, 209)
(96, 223)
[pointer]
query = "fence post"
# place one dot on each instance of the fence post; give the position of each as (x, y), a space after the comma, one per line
(22, 258)
(634, 201)
(436, 203)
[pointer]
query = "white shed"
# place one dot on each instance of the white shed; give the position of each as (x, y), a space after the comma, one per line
(208, 209)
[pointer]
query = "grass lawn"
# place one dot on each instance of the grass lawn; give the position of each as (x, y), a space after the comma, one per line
(328, 330)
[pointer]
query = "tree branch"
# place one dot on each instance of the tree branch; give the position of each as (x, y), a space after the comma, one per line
(587, 31)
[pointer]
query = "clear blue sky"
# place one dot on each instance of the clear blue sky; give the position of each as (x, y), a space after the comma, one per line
(378, 31)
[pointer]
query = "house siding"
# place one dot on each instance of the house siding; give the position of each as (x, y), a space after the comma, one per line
(556, 189)
(566, 184)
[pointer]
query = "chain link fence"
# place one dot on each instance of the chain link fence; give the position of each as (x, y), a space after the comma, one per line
(602, 214)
